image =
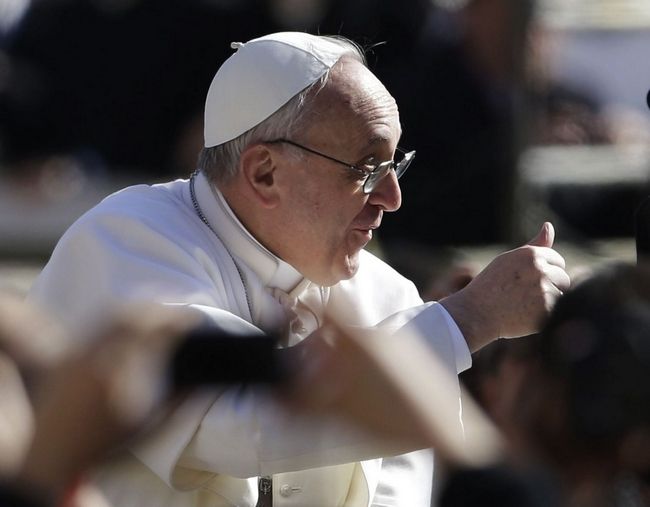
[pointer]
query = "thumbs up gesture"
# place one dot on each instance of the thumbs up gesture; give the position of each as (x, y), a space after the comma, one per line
(545, 237)
(512, 295)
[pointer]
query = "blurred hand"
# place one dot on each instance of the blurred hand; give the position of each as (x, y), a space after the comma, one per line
(29, 343)
(512, 295)
(16, 420)
(96, 398)
(337, 372)
(391, 386)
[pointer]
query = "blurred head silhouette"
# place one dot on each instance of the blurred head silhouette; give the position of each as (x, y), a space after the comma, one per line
(584, 404)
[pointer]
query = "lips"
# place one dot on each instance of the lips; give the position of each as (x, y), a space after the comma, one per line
(364, 232)
(361, 237)
(365, 228)
(369, 223)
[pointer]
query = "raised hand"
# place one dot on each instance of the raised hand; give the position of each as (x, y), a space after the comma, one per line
(512, 295)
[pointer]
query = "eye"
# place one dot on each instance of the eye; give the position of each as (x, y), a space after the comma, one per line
(357, 173)
(367, 165)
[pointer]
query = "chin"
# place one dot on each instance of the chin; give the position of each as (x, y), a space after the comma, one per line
(336, 277)
(345, 269)
(350, 267)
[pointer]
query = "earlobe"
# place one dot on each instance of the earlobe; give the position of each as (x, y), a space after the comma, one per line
(258, 167)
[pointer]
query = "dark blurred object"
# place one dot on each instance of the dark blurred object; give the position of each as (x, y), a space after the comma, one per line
(210, 356)
(499, 486)
(592, 191)
(642, 230)
(10, 496)
(596, 211)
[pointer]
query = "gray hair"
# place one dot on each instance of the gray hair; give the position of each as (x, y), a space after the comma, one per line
(220, 163)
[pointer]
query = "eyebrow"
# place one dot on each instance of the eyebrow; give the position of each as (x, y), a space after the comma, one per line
(373, 141)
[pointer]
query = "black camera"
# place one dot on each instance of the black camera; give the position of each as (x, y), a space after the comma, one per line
(212, 356)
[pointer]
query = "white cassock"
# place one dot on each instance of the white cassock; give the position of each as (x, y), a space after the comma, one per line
(149, 243)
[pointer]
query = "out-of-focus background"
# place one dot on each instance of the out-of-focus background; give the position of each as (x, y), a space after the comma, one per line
(520, 111)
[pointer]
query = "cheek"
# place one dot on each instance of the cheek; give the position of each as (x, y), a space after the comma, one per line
(312, 223)
(326, 214)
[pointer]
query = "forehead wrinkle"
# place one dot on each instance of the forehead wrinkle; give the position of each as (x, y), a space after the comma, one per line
(358, 88)
(356, 97)
(374, 104)
(378, 109)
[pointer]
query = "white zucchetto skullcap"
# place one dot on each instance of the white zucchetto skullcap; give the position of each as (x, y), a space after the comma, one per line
(260, 77)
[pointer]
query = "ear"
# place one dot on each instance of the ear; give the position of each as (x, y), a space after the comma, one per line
(258, 168)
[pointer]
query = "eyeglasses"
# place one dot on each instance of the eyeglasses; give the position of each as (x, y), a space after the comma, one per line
(370, 174)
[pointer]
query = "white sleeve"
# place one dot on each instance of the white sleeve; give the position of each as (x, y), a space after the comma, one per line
(161, 450)
(429, 322)
(107, 260)
(437, 328)
(248, 432)
(245, 431)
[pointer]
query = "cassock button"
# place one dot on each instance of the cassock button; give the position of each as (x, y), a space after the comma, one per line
(285, 490)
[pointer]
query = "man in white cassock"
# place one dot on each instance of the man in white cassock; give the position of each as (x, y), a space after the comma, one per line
(301, 160)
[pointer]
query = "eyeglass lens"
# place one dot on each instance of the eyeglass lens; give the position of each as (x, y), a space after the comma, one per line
(384, 168)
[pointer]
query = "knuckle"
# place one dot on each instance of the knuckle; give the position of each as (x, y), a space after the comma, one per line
(533, 258)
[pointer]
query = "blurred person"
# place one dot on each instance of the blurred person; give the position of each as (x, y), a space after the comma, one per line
(584, 404)
(300, 163)
(28, 342)
(577, 407)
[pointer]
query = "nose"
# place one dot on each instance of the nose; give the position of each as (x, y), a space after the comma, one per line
(386, 193)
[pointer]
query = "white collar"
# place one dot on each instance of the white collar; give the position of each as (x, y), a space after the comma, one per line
(272, 271)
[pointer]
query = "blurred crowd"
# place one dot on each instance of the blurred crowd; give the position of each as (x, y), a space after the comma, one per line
(115, 87)
(97, 89)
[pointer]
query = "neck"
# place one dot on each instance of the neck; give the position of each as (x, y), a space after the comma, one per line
(258, 222)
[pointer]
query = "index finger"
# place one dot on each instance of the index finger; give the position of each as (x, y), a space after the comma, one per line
(550, 256)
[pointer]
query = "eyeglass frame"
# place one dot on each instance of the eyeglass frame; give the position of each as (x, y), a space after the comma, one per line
(371, 178)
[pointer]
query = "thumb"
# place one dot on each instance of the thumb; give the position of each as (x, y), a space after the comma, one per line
(545, 236)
